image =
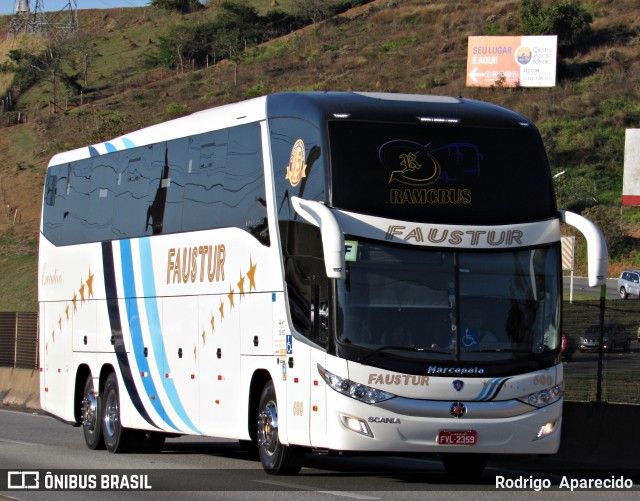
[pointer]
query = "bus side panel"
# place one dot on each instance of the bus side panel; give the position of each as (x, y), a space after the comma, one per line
(179, 325)
(318, 416)
(54, 346)
(220, 368)
(256, 323)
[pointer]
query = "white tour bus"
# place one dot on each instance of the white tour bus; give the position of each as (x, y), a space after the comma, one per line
(336, 272)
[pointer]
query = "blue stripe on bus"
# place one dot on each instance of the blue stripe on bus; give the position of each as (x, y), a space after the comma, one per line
(110, 148)
(491, 389)
(153, 318)
(137, 342)
(113, 310)
(128, 143)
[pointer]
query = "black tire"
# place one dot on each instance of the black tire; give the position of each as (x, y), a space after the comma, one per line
(623, 293)
(276, 458)
(464, 465)
(116, 438)
(91, 416)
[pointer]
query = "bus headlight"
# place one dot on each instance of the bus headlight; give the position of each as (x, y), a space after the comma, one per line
(544, 397)
(354, 390)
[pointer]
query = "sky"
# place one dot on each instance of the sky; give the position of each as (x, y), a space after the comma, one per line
(9, 6)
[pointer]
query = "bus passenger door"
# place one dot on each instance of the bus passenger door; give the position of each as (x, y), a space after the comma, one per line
(318, 400)
(295, 368)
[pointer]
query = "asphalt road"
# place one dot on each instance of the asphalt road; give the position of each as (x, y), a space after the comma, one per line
(210, 468)
(581, 286)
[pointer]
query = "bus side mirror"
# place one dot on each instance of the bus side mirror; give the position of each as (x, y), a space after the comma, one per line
(596, 246)
(332, 238)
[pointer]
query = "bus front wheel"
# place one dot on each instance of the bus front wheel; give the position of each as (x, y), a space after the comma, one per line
(276, 458)
(90, 413)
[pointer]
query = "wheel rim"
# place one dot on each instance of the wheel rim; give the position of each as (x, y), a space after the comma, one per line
(268, 428)
(90, 411)
(111, 415)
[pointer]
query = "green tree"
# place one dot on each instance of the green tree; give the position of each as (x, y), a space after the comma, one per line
(182, 6)
(566, 19)
(608, 219)
(574, 193)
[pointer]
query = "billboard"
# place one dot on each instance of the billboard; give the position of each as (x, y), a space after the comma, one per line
(525, 61)
(631, 179)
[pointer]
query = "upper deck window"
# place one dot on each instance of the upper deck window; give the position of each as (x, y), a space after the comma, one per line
(439, 173)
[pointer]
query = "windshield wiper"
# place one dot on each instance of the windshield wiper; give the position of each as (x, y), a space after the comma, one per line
(402, 348)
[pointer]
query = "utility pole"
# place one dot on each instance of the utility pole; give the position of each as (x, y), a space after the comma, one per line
(33, 20)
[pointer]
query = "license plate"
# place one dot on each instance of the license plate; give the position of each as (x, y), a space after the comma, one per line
(448, 437)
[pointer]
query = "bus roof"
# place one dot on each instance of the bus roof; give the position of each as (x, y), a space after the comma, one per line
(386, 107)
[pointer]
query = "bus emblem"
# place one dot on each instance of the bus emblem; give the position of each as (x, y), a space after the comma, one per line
(296, 169)
(458, 409)
(410, 163)
(458, 385)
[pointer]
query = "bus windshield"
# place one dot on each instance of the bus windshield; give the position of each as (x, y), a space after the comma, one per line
(440, 174)
(399, 302)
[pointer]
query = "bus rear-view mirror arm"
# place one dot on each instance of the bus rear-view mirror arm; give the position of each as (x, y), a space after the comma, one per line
(332, 238)
(596, 246)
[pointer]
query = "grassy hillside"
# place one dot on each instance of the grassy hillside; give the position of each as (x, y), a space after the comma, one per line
(414, 46)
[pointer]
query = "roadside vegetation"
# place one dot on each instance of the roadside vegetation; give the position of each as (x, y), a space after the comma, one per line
(128, 68)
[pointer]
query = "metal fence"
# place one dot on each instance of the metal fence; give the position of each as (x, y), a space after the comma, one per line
(19, 340)
(618, 380)
(619, 375)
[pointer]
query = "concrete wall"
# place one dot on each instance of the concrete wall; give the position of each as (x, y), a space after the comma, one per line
(20, 387)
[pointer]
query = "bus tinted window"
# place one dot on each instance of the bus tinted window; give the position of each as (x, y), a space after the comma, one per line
(168, 169)
(440, 173)
(211, 180)
(77, 202)
(104, 179)
(298, 163)
(55, 194)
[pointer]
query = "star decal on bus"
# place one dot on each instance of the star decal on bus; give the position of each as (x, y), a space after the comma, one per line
(250, 275)
(86, 292)
(241, 286)
(89, 284)
(230, 296)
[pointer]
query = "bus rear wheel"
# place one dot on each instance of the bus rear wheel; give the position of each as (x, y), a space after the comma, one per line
(116, 437)
(464, 465)
(276, 458)
(90, 413)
